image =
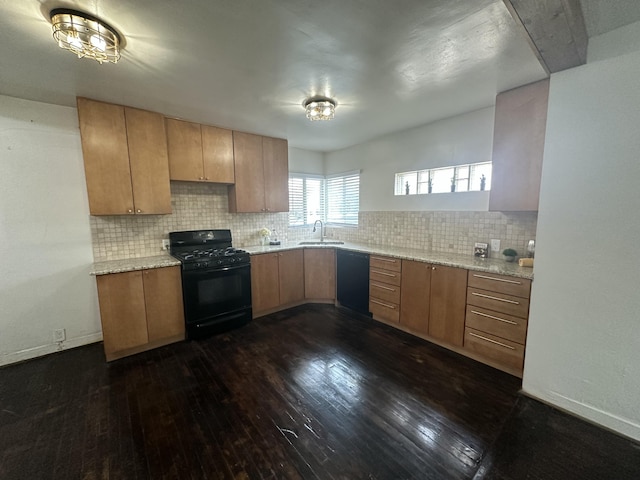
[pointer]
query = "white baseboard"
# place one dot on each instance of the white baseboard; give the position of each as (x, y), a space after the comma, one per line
(620, 425)
(39, 351)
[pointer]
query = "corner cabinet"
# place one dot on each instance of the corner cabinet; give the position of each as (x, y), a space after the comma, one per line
(518, 147)
(261, 174)
(125, 159)
(199, 153)
(140, 310)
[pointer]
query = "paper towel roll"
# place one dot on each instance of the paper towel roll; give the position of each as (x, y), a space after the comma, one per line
(526, 262)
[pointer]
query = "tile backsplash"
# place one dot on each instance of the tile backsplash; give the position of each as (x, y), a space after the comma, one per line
(201, 206)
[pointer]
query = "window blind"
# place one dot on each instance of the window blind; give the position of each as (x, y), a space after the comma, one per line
(334, 199)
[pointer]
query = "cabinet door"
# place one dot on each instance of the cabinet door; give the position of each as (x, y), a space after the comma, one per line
(264, 282)
(106, 157)
(247, 195)
(518, 147)
(319, 274)
(184, 142)
(217, 154)
(147, 141)
(163, 303)
(275, 154)
(414, 296)
(122, 311)
(291, 279)
(448, 303)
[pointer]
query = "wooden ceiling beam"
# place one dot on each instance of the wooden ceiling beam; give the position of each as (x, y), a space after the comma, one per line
(555, 29)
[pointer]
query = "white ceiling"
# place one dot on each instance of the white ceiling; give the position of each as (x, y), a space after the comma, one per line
(249, 64)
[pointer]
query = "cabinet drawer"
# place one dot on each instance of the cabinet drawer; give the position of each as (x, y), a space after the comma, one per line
(498, 302)
(519, 287)
(385, 263)
(385, 292)
(496, 323)
(499, 350)
(386, 310)
(385, 276)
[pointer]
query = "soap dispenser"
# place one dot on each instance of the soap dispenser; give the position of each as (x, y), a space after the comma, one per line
(274, 237)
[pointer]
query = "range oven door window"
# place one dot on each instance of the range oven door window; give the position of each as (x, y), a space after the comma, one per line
(213, 293)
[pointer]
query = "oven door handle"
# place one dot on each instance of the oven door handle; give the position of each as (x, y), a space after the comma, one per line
(218, 269)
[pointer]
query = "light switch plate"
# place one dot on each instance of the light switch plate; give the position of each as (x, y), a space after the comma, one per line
(165, 244)
(495, 245)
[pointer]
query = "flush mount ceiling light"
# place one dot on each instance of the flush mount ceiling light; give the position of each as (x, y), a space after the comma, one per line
(85, 35)
(319, 108)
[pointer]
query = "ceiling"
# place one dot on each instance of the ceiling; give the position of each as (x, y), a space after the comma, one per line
(249, 64)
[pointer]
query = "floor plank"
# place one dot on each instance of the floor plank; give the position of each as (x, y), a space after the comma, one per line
(312, 392)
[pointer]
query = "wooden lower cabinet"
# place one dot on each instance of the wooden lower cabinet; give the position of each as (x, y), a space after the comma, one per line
(291, 276)
(447, 304)
(433, 301)
(496, 320)
(385, 280)
(416, 290)
(320, 274)
(140, 310)
(276, 279)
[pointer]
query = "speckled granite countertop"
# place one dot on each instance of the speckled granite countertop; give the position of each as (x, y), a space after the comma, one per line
(491, 265)
(131, 264)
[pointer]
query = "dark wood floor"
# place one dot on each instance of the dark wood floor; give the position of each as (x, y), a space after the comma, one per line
(313, 392)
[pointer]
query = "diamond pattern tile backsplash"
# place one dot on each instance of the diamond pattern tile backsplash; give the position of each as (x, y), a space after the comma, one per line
(201, 206)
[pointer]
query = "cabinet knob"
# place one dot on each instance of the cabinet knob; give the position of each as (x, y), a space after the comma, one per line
(200, 178)
(130, 210)
(206, 178)
(433, 268)
(139, 211)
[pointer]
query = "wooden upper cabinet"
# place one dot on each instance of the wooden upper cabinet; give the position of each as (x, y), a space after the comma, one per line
(261, 174)
(448, 304)
(125, 159)
(275, 154)
(184, 142)
(518, 147)
(148, 161)
(106, 157)
(199, 153)
(217, 154)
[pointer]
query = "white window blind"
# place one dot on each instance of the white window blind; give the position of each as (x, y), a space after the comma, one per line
(334, 199)
(343, 198)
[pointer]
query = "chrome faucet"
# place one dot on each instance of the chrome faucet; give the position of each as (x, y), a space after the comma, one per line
(321, 229)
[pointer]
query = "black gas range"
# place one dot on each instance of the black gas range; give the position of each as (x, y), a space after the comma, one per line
(216, 281)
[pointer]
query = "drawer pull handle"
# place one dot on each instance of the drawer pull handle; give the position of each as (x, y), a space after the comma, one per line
(383, 287)
(492, 341)
(390, 260)
(495, 318)
(495, 298)
(382, 303)
(497, 279)
(384, 273)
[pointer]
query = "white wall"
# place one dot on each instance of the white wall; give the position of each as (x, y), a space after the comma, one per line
(45, 243)
(466, 138)
(583, 346)
(306, 161)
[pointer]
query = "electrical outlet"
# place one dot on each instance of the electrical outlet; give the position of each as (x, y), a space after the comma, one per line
(495, 245)
(59, 335)
(165, 244)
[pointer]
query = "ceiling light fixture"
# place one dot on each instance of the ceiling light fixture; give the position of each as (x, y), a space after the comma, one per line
(85, 35)
(320, 108)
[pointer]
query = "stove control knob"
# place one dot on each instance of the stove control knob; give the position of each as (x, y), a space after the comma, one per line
(219, 262)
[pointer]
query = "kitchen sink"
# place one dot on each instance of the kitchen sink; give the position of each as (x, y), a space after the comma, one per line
(323, 242)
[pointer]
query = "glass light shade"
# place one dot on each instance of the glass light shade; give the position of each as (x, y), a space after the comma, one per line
(320, 108)
(85, 36)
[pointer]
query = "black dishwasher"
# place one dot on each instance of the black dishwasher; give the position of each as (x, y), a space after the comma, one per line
(353, 280)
